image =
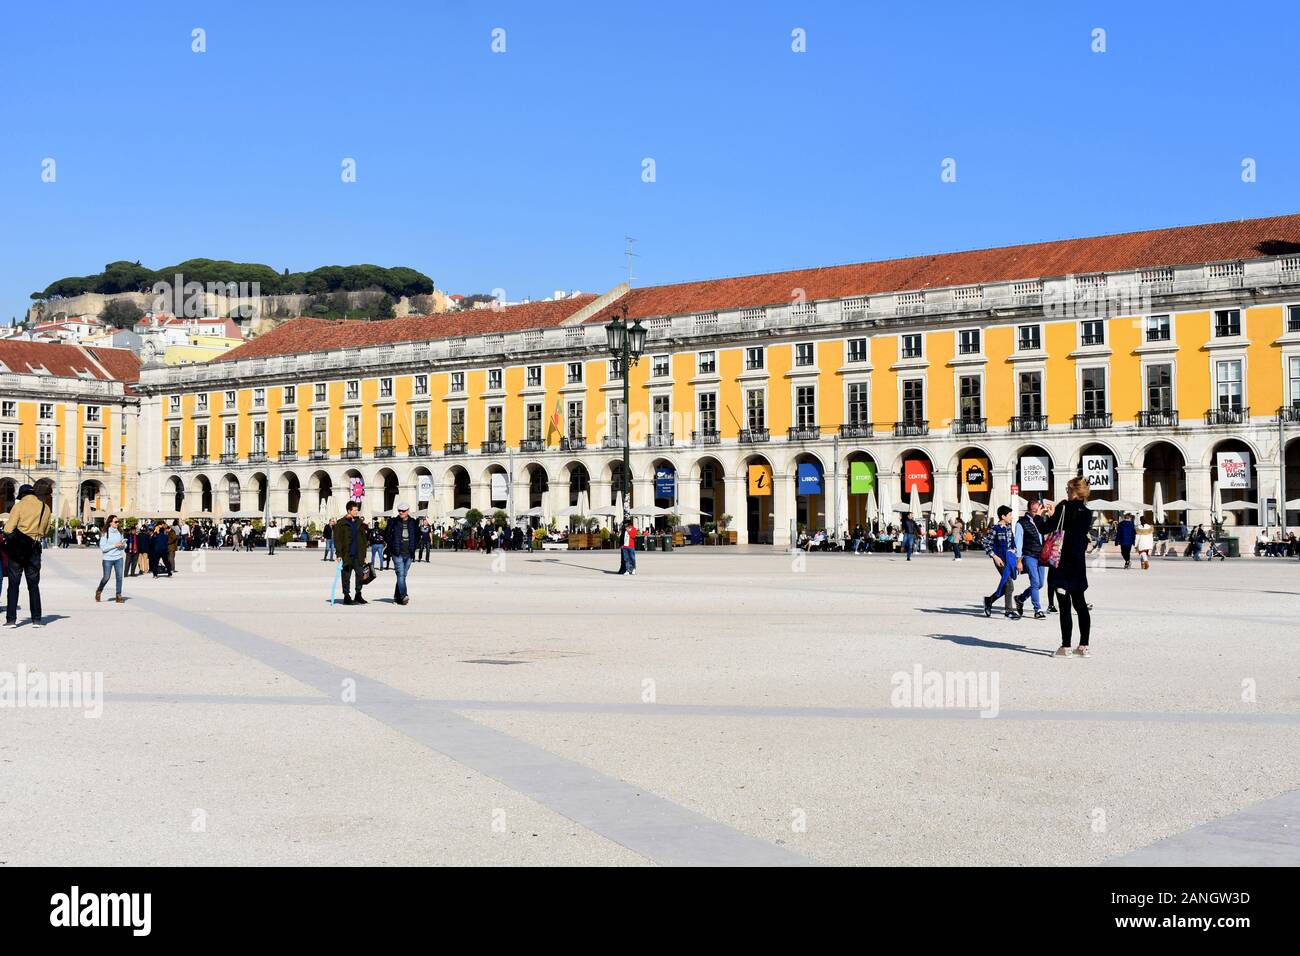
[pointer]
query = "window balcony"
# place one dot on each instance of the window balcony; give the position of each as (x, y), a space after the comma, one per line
(664, 440)
(92, 466)
(229, 458)
(383, 451)
(1289, 413)
(319, 454)
(199, 460)
(1092, 420)
(752, 436)
(573, 443)
(709, 437)
(1227, 416)
(970, 426)
(612, 441)
(806, 433)
(1158, 418)
(289, 454)
(857, 430)
(352, 451)
(493, 446)
(1029, 423)
(912, 429)
(533, 444)
(419, 451)
(1157, 335)
(256, 457)
(453, 448)
(173, 461)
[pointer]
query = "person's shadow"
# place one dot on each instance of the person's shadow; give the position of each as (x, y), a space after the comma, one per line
(967, 640)
(960, 611)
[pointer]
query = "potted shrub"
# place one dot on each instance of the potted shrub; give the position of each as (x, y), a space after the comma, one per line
(605, 537)
(724, 522)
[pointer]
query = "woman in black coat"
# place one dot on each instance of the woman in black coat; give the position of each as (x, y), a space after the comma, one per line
(1069, 579)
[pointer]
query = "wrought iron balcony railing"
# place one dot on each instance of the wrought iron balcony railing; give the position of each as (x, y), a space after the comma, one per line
(1289, 413)
(199, 460)
(970, 426)
(911, 429)
(383, 451)
(1158, 418)
(420, 450)
(453, 448)
(857, 430)
(229, 458)
(1227, 416)
(806, 433)
(708, 437)
(573, 443)
(663, 440)
(352, 451)
(493, 446)
(173, 461)
(1092, 420)
(289, 454)
(319, 454)
(1029, 423)
(533, 444)
(752, 436)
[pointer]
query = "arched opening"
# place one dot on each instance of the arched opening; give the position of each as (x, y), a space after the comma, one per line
(665, 486)
(90, 502)
(975, 477)
(538, 485)
(261, 491)
(863, 504)
(810, 494)
(759, 500)
(203, 490)
(460, 488)
(1032, 472)
(1292, 489)
(391, 488)
(713, 492)
(1098, 464)
(354, 486)
(234, 494)
(579, 483)
(322, 486)
(175, 495)
(617, 484)
(1163, 468)
(498, 486)
(916, 486)
(292, 490)
(8, 494)
(422, 482)
(1233, 468)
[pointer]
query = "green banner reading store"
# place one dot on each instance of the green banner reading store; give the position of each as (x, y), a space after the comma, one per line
(862, 477)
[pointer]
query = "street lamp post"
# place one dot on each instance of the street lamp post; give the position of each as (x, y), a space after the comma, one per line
(626, 343)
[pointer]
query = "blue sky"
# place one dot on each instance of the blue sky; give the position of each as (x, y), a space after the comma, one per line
(522, 170)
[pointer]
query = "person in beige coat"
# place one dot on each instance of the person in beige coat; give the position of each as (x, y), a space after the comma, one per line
(1146, 540)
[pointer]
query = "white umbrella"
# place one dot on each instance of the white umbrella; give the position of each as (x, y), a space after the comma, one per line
(1216, 503)
(568, 511)
(873, 509)
(1158, 504)
(1293, 504)
(886, 507)
(1239, 505)
(915, 504)
(842, 504)
(1181, 504)
(532, 512)
(936, 503)
(964, 510)
(458, 513)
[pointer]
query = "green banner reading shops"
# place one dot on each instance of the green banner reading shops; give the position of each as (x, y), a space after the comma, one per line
(862, 477)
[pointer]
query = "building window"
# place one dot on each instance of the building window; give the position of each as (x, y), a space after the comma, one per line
(92, 450)
(1160, 388)
(93, 413)
(707, 417)
(1227, 385)
(1158, 328)
(805, 406)
(615, 369)
(574, 376)
(230, 398)
(289, 436)
(494, 379)
(385, 388)
(1029, 338)
(575, 423)
(1293, 318)
(8, 444)
(1227, 323)
(320, 393)
(754, 358)
(857, 350)
(46, 412)
(661, 417)
(318, 433)
(756, 409)
(969, 393)
(174, 404)
(202, 400)
(968, 342)
(352, 431)
(533, 376)
(259, 398)
(456, 429)
(45, 448)
(421, 385)
(1092, 332)
(174, 442)
(495, 426)
(913, 401)
(708, 363)
(386, 429)
(803, 354)
(533, 421)
(1293, 364)
(290, 394)
(231, 446)
(616, 410)
(910, 346)
(458, 381)
(859, 409)
(420, 426)
(201, 441)
(1094, 391)
(659, 366)
(352, 391)
(259, 438)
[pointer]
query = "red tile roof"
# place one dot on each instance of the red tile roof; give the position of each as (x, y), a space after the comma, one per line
(323, 335)
(1183, 245)
(69, 361)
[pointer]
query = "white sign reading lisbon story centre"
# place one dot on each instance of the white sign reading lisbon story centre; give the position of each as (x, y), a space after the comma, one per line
(1099, 470)
(1035, 473)
(1234, 469)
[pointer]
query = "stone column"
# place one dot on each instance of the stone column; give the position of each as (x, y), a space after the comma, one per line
(1199, 491)
(783, 510)
(736, 490)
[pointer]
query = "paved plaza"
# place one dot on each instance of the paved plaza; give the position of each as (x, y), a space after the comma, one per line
(723, 706)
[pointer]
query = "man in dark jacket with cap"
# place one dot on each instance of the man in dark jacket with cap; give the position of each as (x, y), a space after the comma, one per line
(401, 541)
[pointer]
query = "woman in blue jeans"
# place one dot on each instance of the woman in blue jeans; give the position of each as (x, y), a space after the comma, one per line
(112, 551)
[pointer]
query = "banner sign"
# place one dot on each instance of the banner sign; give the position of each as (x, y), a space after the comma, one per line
(424, 488)
(234, 495)
(356, 488)
(665, 482)
(499, 490)
(760, 480)
(809, 479)
(862, 477)
(1035, 473)
(1099, 472)
(975, 472)
(916, 474)
(1234, 469)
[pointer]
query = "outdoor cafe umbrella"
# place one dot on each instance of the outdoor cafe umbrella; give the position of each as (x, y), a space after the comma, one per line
(458, 514)
(936, 504)
(915, 504)
(1216, 503)
(964, 510)
(1158, 504)
(884, 504)
(873, 509)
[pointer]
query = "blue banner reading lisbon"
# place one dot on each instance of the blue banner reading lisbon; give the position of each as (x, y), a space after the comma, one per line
(810, 479)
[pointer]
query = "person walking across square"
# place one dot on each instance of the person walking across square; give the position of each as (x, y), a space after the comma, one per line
(1000, 545)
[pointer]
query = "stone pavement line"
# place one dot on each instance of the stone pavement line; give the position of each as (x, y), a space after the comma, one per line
(1266, 834)
(656, 828)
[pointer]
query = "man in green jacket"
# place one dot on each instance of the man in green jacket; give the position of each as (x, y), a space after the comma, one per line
(350, 544)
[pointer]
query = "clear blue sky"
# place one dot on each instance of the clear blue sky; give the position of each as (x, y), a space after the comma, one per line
(522, 170)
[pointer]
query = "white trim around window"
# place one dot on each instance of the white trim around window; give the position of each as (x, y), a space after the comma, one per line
(1079, 368)
(1148, 362)
(1230, 355)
